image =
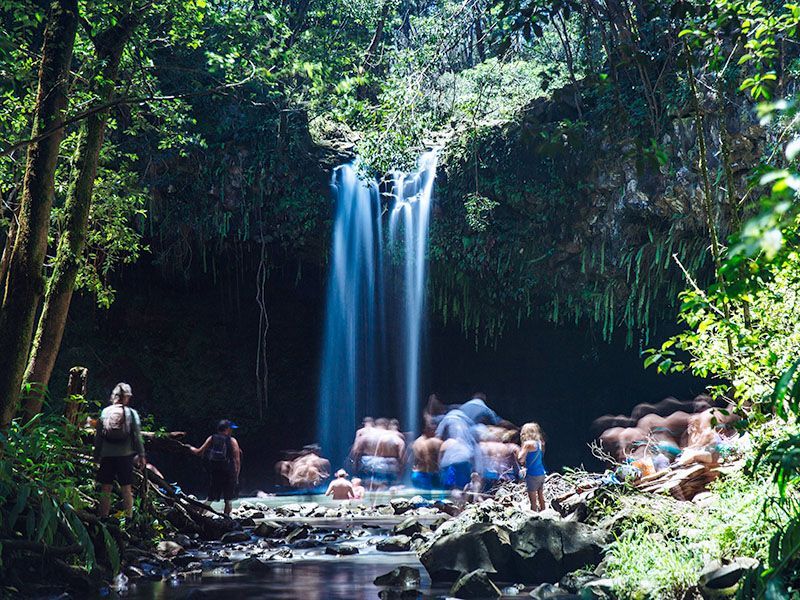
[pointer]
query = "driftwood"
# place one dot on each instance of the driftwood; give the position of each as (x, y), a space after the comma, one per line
(166, 442)
(681, 481)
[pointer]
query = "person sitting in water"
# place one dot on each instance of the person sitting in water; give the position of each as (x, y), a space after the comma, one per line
(225, 462)
(473, 490)
(530, 454)
(340, 488)
(358, 489)
(425, 473)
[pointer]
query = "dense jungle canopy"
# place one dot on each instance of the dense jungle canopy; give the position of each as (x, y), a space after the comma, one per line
(605, 165)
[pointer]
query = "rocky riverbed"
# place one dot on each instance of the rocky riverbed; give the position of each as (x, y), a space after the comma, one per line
(403, 548)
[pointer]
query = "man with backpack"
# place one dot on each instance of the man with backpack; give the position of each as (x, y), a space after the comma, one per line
(224, 460)
(118, 444)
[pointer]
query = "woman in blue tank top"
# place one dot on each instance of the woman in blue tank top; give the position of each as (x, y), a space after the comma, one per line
(530, 455)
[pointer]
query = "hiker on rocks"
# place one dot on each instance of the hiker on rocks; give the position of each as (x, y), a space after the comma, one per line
(118, 445)
(425, 473)
(530, 455)
(224, 460)
(499, 453)
(340, 488)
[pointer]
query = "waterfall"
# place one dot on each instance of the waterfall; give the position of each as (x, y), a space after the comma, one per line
(375, 311)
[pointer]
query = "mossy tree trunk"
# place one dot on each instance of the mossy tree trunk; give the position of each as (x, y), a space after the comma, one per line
(109, 46)
(24, 279)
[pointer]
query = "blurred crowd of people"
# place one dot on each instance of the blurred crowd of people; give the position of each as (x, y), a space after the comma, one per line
(657, 436)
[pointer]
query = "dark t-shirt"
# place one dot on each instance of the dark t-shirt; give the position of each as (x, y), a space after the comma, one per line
(477, 410)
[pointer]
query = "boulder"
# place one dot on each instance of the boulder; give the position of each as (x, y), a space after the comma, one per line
(717, 577)
(183, 540)
(575, 582)
(235, 537)
(545, 550)
(396, 543)
(481, 546)
(306, 543)
(400, 505)
(251, 565)
(475, 584)
(406, 577)
(548, 591)
(169, 549)
(341, 550)
(408, 527)
(394, 594)
(246, 522)
(298, 534)
(267, 529)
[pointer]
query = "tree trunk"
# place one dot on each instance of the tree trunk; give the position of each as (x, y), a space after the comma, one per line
(49, 333)
(25, 281)
(76, 393)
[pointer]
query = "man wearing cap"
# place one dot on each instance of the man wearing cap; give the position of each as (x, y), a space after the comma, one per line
(225, 461)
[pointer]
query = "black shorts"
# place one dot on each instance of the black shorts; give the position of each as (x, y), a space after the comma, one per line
(222, 485)
(116, 467)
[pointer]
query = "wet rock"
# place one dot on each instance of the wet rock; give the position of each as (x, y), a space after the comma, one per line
(133, 572)
(247, 522)
(330, 537)
(169, 549)
(283, 553)
(397, 543)
(573, 583)
(305, 544)
(447, 508)
(342, 550)
(257, 515)
(548, 591)
(438, 522)
(400, 505)
(598, 589)
(298, 534)
(183, 540)
(408, 527)
(185, 559)
(716, 576)
(481, 546)
(475, 584)
(399, 577)
(251, 565)
(267, 529)
(235, 537)
(545, 550)
(393, 594)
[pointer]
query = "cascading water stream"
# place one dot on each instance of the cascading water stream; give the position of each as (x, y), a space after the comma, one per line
(371, 363)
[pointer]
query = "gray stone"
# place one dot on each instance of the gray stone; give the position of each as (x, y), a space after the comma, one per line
(397, 543)
(267, 529)
(717, 576)
(341, 550)
(475, 584)
(548, 591)
(545, 550)
(251, 565)
(298, 534)
(410, 526)
(480, 546)
(575, 582)
(400, 505)
(393, 594)
(400, 577)
(169, 549)
(235, 537)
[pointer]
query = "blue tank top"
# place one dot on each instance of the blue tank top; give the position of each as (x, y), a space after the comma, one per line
(533, 462)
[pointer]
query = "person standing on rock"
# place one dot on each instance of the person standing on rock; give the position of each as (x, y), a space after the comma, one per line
(118, 445)
(530, 455)
(225, 462)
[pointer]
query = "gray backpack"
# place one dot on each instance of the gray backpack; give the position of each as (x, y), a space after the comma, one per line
(116, 426)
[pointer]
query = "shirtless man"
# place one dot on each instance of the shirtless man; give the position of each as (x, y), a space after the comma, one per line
(383, 464)
(340, 488)
(425, 448)
(309, 470)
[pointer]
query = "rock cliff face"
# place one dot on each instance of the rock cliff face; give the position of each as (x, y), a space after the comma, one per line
(587, 215)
